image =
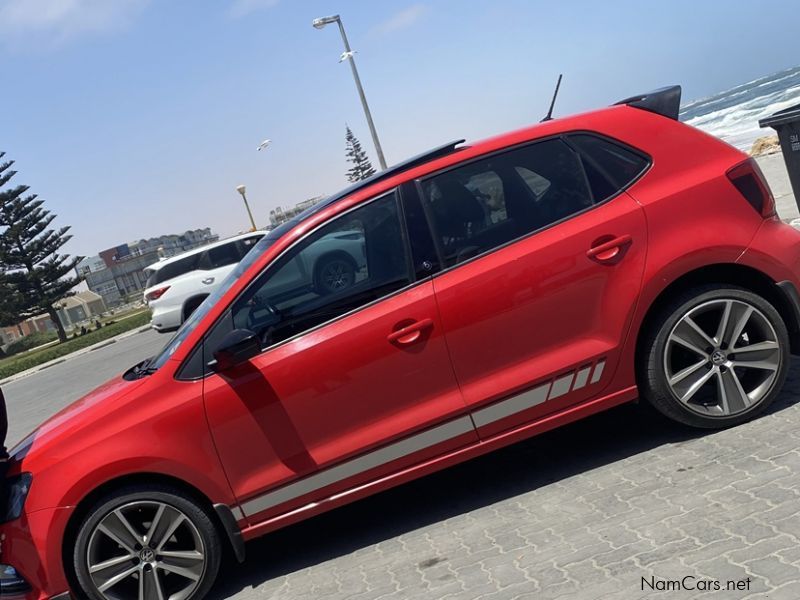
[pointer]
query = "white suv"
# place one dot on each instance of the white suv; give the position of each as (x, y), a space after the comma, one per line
(176, 286)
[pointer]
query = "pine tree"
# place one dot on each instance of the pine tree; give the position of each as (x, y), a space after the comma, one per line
(362, 167)
(35, 274)
(8, 301)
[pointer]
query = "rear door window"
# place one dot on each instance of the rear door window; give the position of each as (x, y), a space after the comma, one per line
(244, 246)
(222, 256)
(490, 202)
(173, 270)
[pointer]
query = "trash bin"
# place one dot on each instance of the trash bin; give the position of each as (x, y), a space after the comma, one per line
(787, 123)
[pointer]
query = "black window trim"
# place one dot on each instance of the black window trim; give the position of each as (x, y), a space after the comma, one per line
(401, 214)
(408, 189)
(563, 136)
(409, 266)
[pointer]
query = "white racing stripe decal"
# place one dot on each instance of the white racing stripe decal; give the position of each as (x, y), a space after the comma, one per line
(598, 371)
(420, 441)
(412, 444)
(515, 404)
(561, 386)
(582, 378)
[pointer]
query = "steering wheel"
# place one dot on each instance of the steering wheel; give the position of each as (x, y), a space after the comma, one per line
(262, 315)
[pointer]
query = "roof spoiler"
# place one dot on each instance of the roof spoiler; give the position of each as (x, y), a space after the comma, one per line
(664, 101)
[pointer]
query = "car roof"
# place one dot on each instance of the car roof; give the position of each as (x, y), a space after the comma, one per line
(663, 101)
(168, 261)
(406, 165)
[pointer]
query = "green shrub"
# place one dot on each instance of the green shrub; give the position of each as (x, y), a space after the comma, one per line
(16, 364)
(33, 340)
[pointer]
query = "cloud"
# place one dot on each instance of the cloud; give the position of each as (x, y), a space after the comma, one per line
(241, 8)
(405, 18)
(64, 19)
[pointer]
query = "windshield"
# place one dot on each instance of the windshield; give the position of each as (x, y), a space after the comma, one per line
(202, 310)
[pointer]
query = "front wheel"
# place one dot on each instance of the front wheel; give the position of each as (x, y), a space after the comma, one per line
(147, 543)
(716, 356)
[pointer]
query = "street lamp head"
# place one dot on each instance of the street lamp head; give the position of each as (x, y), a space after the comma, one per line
(241, 189)
(322, 21)
(264, 145)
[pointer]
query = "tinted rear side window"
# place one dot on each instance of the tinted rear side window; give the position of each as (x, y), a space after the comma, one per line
(609, 166)
(489, 202)
(244, 246)
(173, 270)
(221, 256)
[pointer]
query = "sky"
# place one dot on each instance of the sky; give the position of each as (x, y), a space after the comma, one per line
(136, 118)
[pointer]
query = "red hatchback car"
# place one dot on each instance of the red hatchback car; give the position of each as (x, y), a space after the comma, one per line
(506, 288)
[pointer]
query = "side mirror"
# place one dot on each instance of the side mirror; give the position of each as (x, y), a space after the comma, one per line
(238, 346)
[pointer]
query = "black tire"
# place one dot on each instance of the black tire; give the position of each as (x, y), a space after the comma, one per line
(192, 304)
(173, 499)
(345, 268)
(652, 371)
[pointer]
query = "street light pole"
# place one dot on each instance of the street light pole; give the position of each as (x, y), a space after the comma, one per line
(348, 55)
(242, 189)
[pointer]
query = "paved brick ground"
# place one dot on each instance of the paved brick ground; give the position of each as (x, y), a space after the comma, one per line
(581, 513)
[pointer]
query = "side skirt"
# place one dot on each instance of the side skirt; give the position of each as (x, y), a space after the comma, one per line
(485, 446)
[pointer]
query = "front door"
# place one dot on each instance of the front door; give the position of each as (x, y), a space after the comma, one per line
(354, 381)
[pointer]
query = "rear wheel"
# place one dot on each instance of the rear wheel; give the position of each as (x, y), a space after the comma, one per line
(334, 273)
(147, 543)
(716, 356)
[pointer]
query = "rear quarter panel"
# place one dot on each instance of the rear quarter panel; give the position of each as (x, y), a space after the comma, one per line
(695, 216)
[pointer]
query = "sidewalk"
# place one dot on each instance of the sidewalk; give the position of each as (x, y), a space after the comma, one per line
(775, 171)
(61, 359)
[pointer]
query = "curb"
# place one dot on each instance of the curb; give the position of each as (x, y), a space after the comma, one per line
(66, 357)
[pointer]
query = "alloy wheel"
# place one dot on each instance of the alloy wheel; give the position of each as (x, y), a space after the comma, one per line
(722, 357)
(337, 275)
(146, 550)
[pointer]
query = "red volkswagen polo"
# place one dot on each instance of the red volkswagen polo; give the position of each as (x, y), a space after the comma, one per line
(481, 294)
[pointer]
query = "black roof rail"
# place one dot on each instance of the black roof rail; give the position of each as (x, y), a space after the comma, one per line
(400, 167)
(664, 101)
(405, 165)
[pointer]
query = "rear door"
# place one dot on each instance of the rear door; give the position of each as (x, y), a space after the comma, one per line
(543, 259)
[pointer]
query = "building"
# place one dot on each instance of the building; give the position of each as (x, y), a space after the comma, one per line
(117, 274)
(83, 306)
(280, 215)
(11, 334)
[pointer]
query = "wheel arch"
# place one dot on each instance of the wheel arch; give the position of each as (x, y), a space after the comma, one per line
(223, 519)
(779, 295)
(188, 302)
(343, 254)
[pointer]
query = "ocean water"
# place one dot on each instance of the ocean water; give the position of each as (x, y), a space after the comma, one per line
(733, 114)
